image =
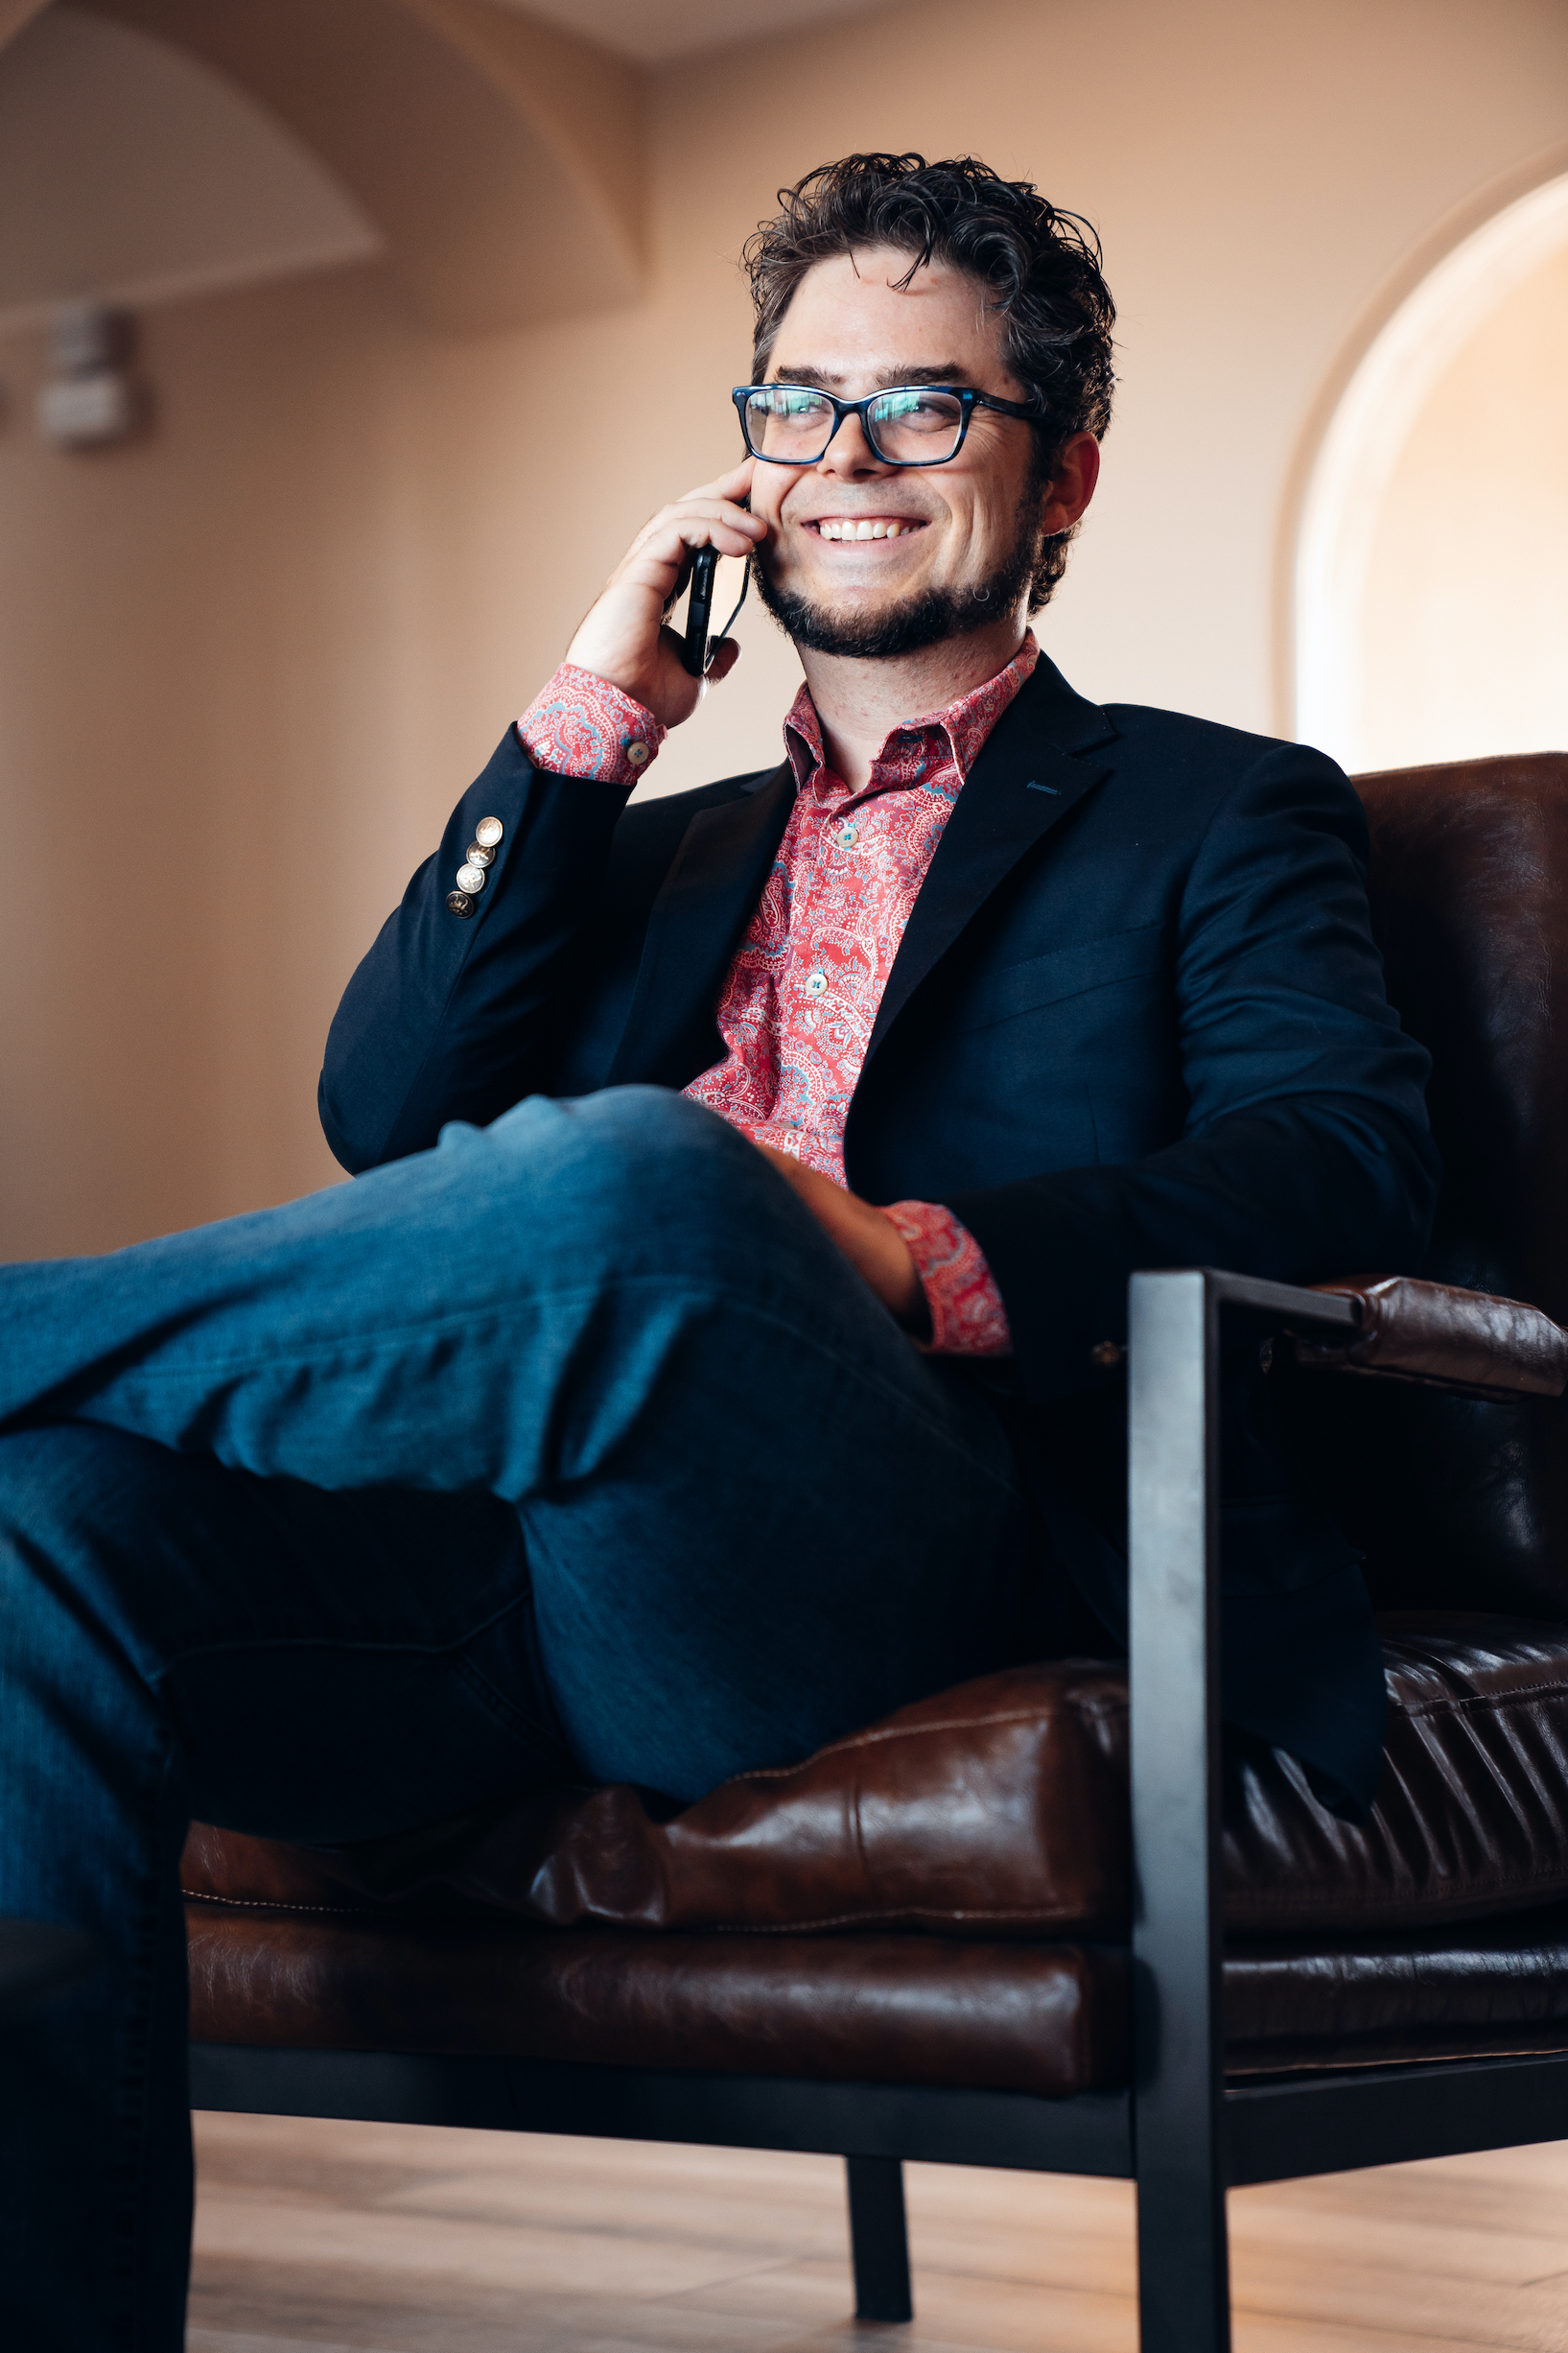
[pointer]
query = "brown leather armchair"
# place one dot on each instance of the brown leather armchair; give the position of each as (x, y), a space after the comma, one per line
(988, 1930)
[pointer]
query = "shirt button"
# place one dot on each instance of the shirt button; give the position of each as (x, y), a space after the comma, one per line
(470, 879)
(848, 836)
(479, 855)
(636, 753)
(461, 904)
(488, 832)
(817, 985)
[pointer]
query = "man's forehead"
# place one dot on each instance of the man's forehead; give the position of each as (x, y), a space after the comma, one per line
(852, 317)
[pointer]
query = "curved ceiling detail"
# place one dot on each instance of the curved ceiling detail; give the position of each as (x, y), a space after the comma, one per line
(499, 158)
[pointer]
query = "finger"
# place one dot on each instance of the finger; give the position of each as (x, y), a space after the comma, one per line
(726, 654)
(672, 539)
(701, 505)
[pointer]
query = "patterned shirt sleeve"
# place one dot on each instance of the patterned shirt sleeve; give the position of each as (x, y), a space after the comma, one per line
(583, 726)
(967, 1317)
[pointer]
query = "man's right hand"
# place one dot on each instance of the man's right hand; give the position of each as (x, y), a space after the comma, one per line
(623, 638)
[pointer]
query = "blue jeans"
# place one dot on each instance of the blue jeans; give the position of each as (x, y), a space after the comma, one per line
(570, 1449)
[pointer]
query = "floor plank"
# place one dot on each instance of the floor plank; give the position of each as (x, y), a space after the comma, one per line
(337, 2238)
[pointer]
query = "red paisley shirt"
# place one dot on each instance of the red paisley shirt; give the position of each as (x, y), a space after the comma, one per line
(801, 996)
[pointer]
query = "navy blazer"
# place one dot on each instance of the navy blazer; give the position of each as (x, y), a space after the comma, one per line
(1136, 1020)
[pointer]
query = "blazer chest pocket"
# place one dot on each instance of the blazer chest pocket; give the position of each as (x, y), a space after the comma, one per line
(1064, 973)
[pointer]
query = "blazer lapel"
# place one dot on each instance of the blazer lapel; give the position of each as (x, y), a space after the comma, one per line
(1030, 772)
(714, 880)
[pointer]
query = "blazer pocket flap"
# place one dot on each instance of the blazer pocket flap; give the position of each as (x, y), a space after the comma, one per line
(1062, 973)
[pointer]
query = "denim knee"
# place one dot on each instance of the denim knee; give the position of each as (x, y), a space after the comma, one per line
(631, 1164)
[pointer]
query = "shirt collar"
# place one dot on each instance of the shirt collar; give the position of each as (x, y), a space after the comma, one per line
(965, 724)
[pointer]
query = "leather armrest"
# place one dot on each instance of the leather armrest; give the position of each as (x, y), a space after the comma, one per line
(1446, 1338)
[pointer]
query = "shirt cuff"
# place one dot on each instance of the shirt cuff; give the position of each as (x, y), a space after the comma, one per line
(583, 726)
(968, 1318)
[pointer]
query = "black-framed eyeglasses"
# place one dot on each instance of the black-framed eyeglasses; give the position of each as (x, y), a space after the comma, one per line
(908, 425)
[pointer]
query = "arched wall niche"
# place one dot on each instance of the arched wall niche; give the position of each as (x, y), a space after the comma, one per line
(499, 158)
(1397, 579)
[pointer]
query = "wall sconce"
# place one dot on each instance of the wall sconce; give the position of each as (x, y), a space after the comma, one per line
(93, 398)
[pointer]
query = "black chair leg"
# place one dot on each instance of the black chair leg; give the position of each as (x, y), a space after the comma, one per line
(1183, 2271)
(879, 2239)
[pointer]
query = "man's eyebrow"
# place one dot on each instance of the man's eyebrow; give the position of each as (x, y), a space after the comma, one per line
(827, 379)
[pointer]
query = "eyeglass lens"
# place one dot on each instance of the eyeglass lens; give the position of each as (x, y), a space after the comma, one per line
(911, 425)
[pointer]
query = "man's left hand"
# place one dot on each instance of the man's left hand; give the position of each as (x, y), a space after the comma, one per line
(870, 1242)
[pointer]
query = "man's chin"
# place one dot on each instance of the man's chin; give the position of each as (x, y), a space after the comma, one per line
(882, 630)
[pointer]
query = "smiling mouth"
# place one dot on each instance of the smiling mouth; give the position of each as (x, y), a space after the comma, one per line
(865, 527)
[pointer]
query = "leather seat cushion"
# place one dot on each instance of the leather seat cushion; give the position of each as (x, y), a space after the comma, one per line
(1498, 1986)
(1050, 2019)
(1000, 1809)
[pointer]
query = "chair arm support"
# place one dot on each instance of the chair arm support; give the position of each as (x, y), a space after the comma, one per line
(1430, 1333)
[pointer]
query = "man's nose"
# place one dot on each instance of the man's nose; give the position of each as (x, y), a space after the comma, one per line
(849, 453)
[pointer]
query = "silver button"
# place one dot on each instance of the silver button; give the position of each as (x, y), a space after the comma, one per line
(636, 753)
(460, 903)
(815, 986)
(488, 832)
(478, 856)
(471, 879)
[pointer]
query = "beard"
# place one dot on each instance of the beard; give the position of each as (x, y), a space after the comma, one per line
(928, 618)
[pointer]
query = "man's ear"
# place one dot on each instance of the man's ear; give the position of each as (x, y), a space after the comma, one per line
(1071, 486)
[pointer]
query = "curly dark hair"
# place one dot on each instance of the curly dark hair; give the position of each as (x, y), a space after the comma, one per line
(1040, 267)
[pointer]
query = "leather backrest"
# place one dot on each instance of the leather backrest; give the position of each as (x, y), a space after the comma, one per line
(1458, 1503)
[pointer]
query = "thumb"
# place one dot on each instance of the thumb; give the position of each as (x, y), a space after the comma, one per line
(726, 654)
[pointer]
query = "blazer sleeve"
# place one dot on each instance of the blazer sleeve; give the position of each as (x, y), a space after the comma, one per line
(1306, 1151)
(453, 1017)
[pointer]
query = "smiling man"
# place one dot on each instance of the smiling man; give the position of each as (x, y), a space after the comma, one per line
(721, 1345)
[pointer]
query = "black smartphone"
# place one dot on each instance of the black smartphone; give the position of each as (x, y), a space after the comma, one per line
(694, 652)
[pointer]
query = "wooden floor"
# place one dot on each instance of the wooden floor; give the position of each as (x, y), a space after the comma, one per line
(392, 2239)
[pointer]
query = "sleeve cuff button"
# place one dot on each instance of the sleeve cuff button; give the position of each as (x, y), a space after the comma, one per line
(636, 753)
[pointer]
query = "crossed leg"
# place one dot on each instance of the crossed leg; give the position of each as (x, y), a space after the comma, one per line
(571, 1447)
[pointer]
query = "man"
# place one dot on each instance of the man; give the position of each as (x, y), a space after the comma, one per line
(722, 1348)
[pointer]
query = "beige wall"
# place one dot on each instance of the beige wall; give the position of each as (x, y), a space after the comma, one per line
(246, 666)
(1464, 631)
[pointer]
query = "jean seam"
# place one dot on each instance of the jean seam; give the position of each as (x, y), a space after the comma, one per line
(335, 1643)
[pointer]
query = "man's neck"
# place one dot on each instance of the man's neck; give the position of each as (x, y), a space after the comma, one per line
(859, 703)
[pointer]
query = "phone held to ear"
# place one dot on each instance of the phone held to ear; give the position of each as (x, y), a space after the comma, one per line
(694, 652)
(698, 650)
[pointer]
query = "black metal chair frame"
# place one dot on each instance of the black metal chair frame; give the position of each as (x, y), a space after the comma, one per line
(1180, 2132)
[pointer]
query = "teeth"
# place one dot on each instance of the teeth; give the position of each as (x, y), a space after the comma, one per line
(863, 530)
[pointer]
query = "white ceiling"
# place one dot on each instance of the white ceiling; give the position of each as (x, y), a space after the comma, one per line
(653, 30)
